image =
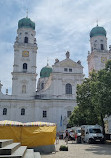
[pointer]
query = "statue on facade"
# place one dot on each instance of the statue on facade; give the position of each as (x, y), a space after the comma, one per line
(67, 54)
(79, 62)
(56, 60)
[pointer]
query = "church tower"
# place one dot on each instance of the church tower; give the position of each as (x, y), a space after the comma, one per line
(99, 52)
(24, 68)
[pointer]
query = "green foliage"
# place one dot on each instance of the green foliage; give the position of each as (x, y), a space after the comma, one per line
(108, 65)
(63, 148)
(93, 98)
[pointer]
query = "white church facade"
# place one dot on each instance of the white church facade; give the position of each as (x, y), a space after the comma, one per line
(54, 97)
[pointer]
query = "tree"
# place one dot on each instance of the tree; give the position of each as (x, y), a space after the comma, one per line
(77, 118)
(93, 98)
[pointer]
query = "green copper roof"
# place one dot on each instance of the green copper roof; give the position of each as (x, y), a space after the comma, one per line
(45, 71)
(96, 31)
(27, 23)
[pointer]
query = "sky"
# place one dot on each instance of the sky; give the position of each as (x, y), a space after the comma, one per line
(61, 25)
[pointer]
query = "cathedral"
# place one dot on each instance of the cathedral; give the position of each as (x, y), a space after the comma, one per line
(53, 98)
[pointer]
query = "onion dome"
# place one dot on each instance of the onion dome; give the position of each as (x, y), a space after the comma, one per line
(26, 23)
(45, 71)
(98, 31)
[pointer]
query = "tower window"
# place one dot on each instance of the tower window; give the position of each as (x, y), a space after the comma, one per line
(68, 88)
(44, 113)
(42, 86)
(24, 89)
(65, 69)
(22, 111)
(5, 111)
(25, 66)
(102, 47)
(26, 40)
(68, 113)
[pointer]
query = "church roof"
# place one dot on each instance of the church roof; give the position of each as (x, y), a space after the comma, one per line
(27, 23)
(96, 31)
(45, 71)
(68, 63)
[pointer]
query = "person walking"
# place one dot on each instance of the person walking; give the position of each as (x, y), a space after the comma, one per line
(66, 136)
(57, 138)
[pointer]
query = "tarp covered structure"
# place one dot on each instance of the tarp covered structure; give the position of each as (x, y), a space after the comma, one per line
(31, 134)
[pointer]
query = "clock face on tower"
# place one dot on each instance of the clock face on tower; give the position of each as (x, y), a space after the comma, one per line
(103, 59)
(25, 54)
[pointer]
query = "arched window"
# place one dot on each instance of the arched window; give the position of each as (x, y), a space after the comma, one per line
(68, 88)
(24, 89)
(68, 113)
(22, 111)
(42, 86)
(25, 66)
(102, 47)
(26, 40)
(5, 111)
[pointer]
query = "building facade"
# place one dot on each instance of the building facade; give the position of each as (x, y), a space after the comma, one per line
(99, 53)
(55, 96)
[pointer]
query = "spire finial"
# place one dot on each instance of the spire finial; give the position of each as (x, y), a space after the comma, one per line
(97, 22)
(26, 13)
(47, 61)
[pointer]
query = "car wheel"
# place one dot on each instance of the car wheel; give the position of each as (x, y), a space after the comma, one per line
(90, 141)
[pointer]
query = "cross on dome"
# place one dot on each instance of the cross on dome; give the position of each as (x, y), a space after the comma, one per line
(47, 61)
(97, 22)
(27, 13)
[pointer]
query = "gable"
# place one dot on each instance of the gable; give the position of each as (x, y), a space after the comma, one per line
(68, 63)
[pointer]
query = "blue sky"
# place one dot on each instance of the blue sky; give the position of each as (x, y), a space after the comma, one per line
(61, 25)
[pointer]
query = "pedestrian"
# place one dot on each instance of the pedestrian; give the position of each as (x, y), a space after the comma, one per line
(57, 138)
(66, 136)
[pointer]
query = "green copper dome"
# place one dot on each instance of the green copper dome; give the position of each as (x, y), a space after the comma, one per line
(96, 31)
(27, 23)
(45, 71)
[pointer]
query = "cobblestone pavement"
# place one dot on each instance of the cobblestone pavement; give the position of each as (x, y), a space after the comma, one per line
(81, 151)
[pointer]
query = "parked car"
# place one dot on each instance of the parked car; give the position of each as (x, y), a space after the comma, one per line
(107, 122)
(91, 134)
(77, 135)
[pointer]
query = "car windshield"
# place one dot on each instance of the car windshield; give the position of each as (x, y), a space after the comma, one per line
(78, 131)
(94, 130)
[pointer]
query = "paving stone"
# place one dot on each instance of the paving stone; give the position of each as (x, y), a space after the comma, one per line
(81, 151)
(37, 155)
(29, 153)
